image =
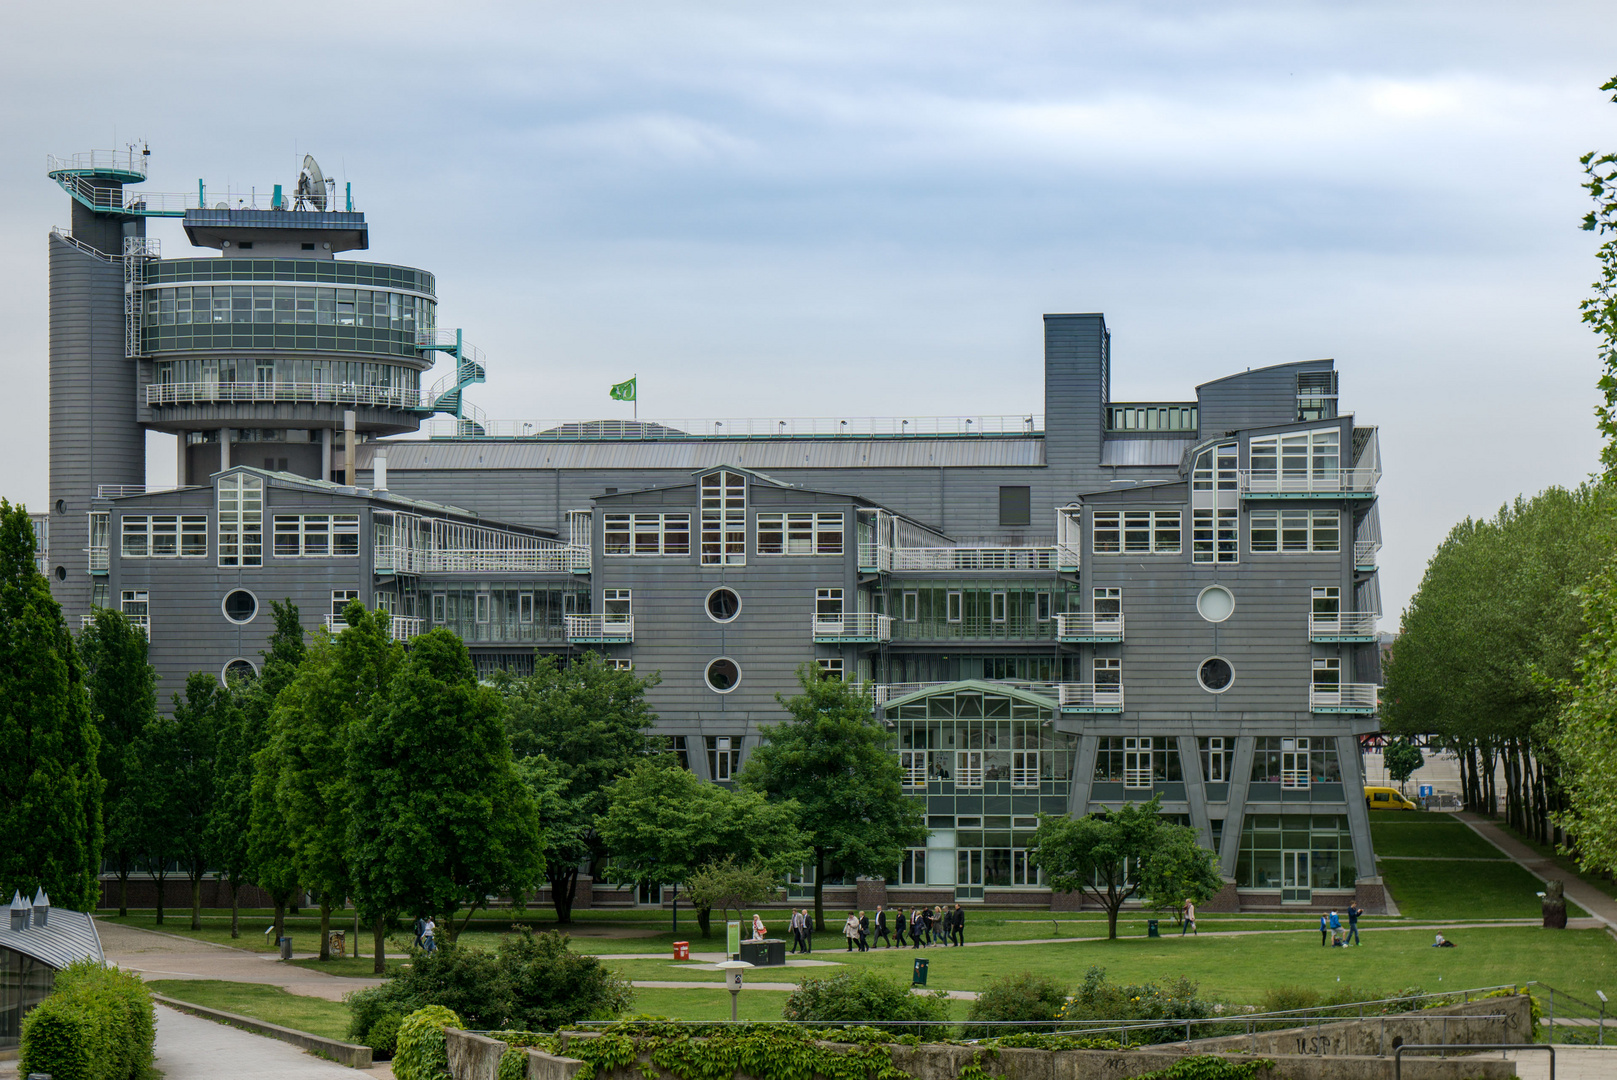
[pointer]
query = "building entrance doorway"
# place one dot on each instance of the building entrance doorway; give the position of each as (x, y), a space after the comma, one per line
(1294, 887)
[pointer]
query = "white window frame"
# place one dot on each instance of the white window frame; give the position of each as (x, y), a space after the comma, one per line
(1103, 668)
(620, 664)
(1297, 461)
(1108, 594)
(1024, 770)
(340, 599)
(912, 605)
(824, 601)
(135, 603)
(800, 533)
(1294, 774)
(1137, 754)
(1044, 603)
(912, 764)
(440, 606)
(484, 609)
(241, 520)
(172, 531)
(337, 530)
(525, 607)
(611, 598)
(997, 607)
(1313, 525)
(954, 606)
(671, 533)
(1023, 873)
(1215, 536)
(723, 757)
(831, 667)
(1138, 532)
(1216, 760)
(724, 518)
(968, 770)
(911, 867)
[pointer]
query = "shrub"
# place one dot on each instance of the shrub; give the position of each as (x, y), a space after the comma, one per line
(383, 1036)
(513, 1065)
(97, 1024)
(1097, 999)
(1025, 997)
(533, 981)
(863, 996)
(1209, 1067)
(422, 1054)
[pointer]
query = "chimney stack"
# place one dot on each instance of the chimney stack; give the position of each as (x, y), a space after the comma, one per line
(20, 911)
(42, 907)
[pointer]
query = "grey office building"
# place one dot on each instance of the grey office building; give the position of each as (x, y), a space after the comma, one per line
(1058, 613)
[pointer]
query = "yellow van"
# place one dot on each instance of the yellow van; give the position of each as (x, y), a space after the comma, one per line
(1386, 798)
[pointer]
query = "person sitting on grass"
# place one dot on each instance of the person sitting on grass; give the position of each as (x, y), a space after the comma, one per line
(1442, 943)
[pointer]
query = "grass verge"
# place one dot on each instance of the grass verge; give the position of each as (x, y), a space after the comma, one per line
(269, 1003)
(1465, 890)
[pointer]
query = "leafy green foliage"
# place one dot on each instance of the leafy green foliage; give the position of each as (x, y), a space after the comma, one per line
(123, 698)
(1036, 1041)
(1098, 999)
(178, 764)
(421, 1053)
(97, 1024)
(1115, 854)
(728, 885)
(1600, 310)
(50, 781)
(1210, 1067)
(383, 1035)
(832, 758)
(270, 848)
(763, 1051)
(1024, 998)
(592, 725)
(1402, 758)
(865, 995)
(532, 981)
(1587, 740)
(438, 821)
(513, 1065)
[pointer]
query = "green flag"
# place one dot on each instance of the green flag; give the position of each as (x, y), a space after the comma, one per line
(624, 391)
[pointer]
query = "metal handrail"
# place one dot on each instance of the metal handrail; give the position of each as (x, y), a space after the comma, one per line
(127, 160)
(1089, 695)
(190, 393)
(755, 428)
(592, 626)
(1089, 624)
(861, 624)
(1343, 623)
(402, 627)
(1364, 551)
(1345, 696)
(1321, 481)
(974, 558)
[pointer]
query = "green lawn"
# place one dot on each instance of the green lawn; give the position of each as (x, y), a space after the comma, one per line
(314, 1015)
(1565, 863)
(352, 967)
(1465, 890)
(1436, 836)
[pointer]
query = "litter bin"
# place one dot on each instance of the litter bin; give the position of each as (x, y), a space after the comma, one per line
(286, 948)
(1151, 928)
(682, 950)
(339, 943)
(919, 978)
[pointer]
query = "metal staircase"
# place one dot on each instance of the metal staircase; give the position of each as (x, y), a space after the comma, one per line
(448, 394)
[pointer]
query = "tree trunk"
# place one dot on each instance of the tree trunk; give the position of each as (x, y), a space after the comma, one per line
(704, 919)
(380, 930)
(325, 929)
(123, 891)
(196, 901)
(819, 890)
(562, 886)
(235, 910)
(1112, 904)
(162, 881)
(280, 920)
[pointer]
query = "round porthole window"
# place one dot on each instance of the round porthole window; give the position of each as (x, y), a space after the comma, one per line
(237, 670)
(240, 606)
(723, 604)
(1215, 675)
(723, 675)
(61, 573)
(1215, 604)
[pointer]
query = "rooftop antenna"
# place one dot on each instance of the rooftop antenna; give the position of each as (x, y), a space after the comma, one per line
(311, 185)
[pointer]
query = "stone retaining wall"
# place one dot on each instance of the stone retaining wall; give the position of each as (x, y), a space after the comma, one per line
(355, 1057)
(475, 1057)
(1381, 1035)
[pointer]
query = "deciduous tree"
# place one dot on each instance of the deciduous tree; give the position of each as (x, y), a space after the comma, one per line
(180, 764)
(834, 759)
(50, 784)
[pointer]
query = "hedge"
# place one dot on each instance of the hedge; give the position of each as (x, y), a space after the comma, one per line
(97, 1024)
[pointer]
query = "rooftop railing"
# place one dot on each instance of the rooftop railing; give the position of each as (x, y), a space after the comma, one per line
(192, 393)
(853, 626)
(1302, 482)
(123, 491)
(973, 558)
(863, 427)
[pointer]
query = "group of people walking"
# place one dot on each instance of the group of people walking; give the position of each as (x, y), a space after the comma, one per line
(921, 926)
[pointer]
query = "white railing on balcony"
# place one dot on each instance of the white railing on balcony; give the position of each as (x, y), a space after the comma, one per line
(1081, 696)
(861, 625)
(99, 558)
(598, 627)
(556, 559)
(878, 557)
(973, 558)
(144, 622)
(1308, 482)
(123, 491)
(885, 692)
(191, 393)
(1089, 625)
(1364, 552)
(403, 628)
(1343, 624)
(1343, 697)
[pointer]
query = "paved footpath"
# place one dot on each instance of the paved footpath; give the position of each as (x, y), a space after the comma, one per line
(1586, 896)
(168, 956)
(190, 1048)
(1571, 1063)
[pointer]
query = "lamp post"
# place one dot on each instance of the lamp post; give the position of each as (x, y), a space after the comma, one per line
(732, 981)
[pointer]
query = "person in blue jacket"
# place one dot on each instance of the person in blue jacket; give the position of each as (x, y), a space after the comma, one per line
(1336, 930)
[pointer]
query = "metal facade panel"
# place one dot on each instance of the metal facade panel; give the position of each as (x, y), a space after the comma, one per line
(693, 455)
(1162, 452)
(66, 937)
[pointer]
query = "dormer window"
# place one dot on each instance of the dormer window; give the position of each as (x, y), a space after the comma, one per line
(724, 519)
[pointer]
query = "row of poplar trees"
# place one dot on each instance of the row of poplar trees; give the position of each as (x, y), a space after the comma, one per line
(1508, 654)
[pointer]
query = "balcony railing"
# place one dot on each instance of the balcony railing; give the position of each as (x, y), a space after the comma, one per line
(1283, 483)
(100, 557)
(852, 627)
(1344, 626)
(885, 692)
(1090, 698)
(559, 559)
(144, 622)
(123, 491)
(1343, 697)
(600, 629)
(402, 628)
(1089, 627)
(875, 558)
(1364, 553)
(973, 558)
(191, 393)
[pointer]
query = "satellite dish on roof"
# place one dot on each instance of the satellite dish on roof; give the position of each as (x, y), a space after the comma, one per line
(311, 185)
(221, 206)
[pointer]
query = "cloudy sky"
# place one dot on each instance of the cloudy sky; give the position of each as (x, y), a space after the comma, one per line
(783, 210)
